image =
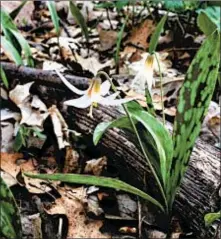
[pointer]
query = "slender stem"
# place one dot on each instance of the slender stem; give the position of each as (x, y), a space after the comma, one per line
(139, 141)
(161, 87)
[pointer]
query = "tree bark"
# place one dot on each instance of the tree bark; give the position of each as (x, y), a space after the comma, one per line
(199, 193)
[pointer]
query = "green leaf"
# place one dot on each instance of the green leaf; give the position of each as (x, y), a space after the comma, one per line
(105, 5)
(149, 101)
(213, 15)
(101, 128)
(20, 139)
(97, 181)
(76, 13)
(162, 139)
(155, 37)
(3, 77)
(25, 46)
(11, 51)
(194, 98)
(119, 39)
(121, 4)
(209, 218)
(10, 219)
(206, 25)
(54, 15)
(16, 11)
(176, 5)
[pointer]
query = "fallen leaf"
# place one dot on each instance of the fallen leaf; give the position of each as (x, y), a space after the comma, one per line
(107, 39)
(95, 166)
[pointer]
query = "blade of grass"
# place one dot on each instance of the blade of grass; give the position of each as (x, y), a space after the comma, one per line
(54, 15)
(76, 13)
(97, 181)
(119, 39)
(3, 77)
(25, 46)
(11, 51)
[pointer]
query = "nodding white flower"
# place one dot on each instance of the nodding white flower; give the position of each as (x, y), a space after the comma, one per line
(145, 76)
(93, 95)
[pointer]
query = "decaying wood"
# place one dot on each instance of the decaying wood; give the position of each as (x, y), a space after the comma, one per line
(199, 193)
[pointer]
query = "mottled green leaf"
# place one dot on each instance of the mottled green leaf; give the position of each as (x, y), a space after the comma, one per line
(10, 219)
(11, 51)
(76, 13)
(54, 15)
(97, 181)
(209, 218)
(155, 37)
(149, 101)
(194, 99)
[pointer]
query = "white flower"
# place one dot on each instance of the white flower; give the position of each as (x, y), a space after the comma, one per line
(93, 95)
(145, 76)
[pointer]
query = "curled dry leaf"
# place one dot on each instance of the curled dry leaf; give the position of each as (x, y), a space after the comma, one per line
(60, 127)
(71, 160)
(95, 166)
(33, 110)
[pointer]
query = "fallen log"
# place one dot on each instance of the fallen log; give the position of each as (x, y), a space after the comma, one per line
(199, 192)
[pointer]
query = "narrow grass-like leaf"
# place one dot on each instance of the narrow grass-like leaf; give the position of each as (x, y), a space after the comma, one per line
(3, 77)
(97, 181)
(209, 218)
(155, 37)
(11, 51)
(16, 11)
(149, 101)
(119, 39)
(194, 99)
(10, 218)
(25, 46)
(54, 15)
(76, 13)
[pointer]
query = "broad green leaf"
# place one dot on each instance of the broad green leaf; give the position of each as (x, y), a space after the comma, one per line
(10, 218)
(176, 5)
(25, 46)
(121, 3)
(213, 13)
(54, 15)
(209, 218)
(76, 13)
(101, 128)
(155, 37)
(105, 5)
(194, 99)
(3, 77)
(97, 181)
(16, 11)
(11, 51)
(162, 139)
(206, 25)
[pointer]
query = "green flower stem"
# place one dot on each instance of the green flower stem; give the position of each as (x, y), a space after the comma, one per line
(161, 87)
(139, 141)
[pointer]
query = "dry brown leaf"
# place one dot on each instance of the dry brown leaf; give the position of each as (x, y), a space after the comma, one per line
(34, 185)
(140, 34)
(95, 166)
(71, 160)
(107, 39)
(72, 205)
(8, 163)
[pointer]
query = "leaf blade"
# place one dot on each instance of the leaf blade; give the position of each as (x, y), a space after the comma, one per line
(54, 15)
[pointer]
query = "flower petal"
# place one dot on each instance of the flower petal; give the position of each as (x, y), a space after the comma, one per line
(106, 101)
(69, 85)
(82, 102)
(113, 96)
(105, 87)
